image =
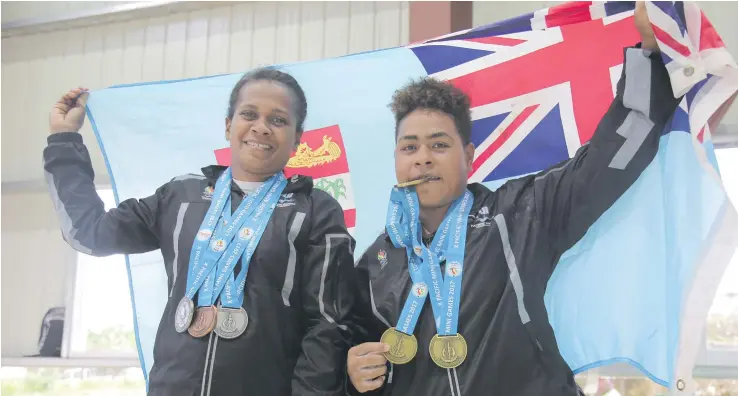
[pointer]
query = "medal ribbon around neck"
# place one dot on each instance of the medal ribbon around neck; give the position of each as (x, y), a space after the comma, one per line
(213, 254)
(233, 289)
(403, 226)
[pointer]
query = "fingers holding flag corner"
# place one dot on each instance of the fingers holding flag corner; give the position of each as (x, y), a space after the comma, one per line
(68, 113)
(648, 39)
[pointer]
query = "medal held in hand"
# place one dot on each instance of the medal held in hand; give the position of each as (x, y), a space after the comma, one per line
(402, 347)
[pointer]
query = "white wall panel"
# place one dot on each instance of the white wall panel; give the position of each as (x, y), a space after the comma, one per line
(219, 41)
(264, 38)
(336, 37)
(38, 68)
(287, 46)
(312, 30)
(361, 20)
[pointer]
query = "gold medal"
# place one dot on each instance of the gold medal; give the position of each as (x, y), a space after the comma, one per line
(448, 351)
(412, 182)
(403, 347)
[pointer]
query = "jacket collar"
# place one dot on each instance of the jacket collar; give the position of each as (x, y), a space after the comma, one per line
(295, 183)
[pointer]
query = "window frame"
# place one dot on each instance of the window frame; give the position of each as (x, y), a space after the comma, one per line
(111, 359)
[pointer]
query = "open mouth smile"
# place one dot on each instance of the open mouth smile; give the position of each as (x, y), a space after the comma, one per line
(262, 146)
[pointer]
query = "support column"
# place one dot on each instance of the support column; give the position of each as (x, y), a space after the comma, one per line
(429, 19)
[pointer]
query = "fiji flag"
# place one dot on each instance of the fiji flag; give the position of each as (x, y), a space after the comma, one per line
(539, 84)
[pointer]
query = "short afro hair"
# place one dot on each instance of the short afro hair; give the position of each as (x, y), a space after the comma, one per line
(430, 94)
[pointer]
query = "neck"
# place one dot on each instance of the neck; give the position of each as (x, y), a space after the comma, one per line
(431, 218)
(245, 176)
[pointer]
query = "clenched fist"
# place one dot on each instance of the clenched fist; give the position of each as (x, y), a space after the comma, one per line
(648, 40)
(367, 365)
(68, 113)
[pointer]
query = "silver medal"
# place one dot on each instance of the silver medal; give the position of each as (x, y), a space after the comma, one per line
(232, 322)
(183, 314)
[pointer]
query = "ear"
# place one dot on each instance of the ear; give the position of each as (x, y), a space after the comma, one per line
(228, 129)
(469, 154)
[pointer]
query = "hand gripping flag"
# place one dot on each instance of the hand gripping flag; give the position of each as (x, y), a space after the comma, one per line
(539, 84)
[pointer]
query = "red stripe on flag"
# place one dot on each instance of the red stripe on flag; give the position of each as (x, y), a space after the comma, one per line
(669, 41)
(568, 13)
(349, 215)
(582, 59)
(497, 41)
(709, 37)
(502, 138)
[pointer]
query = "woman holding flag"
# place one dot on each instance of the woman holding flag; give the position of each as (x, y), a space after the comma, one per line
(493, 336)
(256, 295)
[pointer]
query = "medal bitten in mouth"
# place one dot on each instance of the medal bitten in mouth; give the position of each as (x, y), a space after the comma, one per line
(418, 180)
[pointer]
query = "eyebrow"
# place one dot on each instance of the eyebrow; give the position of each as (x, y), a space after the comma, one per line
(277, 110)
(433, 135)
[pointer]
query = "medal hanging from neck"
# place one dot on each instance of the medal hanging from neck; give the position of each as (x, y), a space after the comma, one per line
(232, 319)
(448, 348)
(215, 252)
(423, 265)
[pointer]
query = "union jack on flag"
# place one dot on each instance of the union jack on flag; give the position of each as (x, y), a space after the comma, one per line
(539, 84)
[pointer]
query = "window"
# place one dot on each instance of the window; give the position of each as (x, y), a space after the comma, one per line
(101, 316)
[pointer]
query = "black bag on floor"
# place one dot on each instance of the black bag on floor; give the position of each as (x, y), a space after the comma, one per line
(52, 332)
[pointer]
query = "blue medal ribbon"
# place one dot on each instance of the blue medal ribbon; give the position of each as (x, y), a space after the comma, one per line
(233, 287)
(399, 232)
(454, 267)
(214, 255)
(403, 228)
(200, 268)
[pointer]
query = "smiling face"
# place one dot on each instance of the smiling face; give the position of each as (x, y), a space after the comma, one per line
(429, 145)
(263, 130)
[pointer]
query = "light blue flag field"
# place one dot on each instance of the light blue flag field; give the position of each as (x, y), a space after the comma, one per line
(636, 288)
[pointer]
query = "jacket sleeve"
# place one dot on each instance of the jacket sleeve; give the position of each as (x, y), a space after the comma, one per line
(327, 262)
(570, 197)
(363, 325)
(86, 226)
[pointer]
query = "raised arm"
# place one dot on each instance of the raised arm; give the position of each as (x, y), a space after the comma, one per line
(86, 226)
(570, 197)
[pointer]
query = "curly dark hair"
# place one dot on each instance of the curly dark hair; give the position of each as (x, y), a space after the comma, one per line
(431, 94)
(271, 74)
